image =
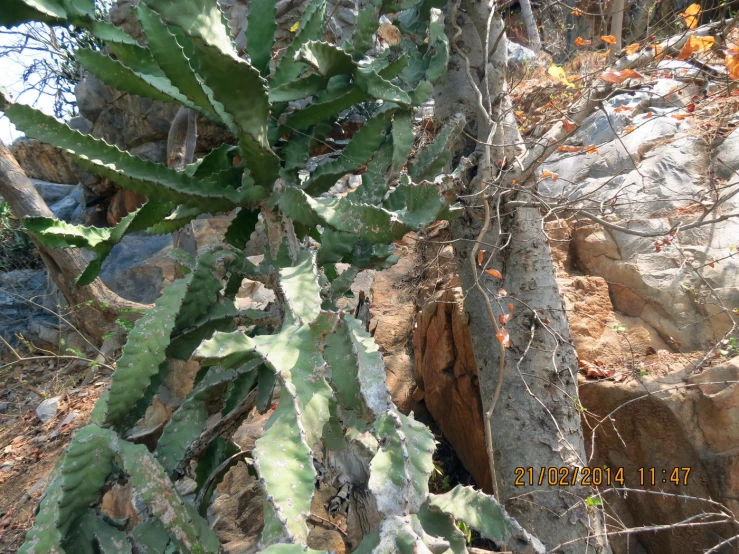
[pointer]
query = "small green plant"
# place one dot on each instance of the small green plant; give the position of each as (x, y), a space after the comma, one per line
(594, 501)
(729, 347)
(619, 327)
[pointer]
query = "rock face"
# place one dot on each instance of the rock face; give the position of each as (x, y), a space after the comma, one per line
(647, 188)
(43, 161)
(446, 372)
(675, 421)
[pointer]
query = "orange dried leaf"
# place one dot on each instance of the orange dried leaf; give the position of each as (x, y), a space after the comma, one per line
(568, 125)
(510, 307)
(579, 41)
(578, 12)
(608, 39)
(623, 109)
(629, 129)
(592, 149)
(480, 256)
(690, 16)
(681, 116)
(658, 50)
(549, 175)
(605, 54)
(595, 369)
(620, 76)
(632, 49)
(494, 273)
(732, 63)
(648, 115)
(695, 44)
(503, 319)
(570, 148)
(504, 337)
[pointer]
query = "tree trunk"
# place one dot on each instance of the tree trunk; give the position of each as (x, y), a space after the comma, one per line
(63, 264)
(181, 142)
(535, 423)
(532, 32)
(617, 25)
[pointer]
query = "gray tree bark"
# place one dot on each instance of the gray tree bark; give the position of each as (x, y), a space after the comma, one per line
(617, 25)
(532, 32)
(63, 264)
(535, 423)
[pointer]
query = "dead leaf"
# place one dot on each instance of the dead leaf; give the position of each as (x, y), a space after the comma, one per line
(658, 50)
(592, 149)
(632, 49)
(389, 33)
(620, 76)
(549, 175)
(558, 73)
(568, 125)
(579, 41)
(623, 109)
(648, 115)
(608, 39)
(595, 370)
(573, 149)
(732, 62)
(504, 337)
(480, 256)
(629, 129)
(690, 16)
(503, 319)
(578, 12)
(605, 54)
(695, 44)
(681, 116)
(511, 308)
(494, 273)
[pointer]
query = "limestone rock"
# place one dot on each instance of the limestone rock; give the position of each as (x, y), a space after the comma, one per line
(642, 180)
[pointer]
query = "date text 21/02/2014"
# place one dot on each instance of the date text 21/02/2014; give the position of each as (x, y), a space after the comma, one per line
(600, 476)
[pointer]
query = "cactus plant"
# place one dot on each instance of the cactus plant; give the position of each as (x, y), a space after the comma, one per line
(332, 401)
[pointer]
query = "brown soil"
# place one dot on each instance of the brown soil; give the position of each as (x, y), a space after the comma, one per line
(32, 447)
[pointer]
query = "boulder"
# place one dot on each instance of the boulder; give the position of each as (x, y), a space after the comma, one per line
(52, 192)
(43, 161)
(71, 208)
(138, 267)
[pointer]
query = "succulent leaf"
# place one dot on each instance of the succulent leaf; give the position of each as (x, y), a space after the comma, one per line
(261, 27)
(484, 514)
(201, 19)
